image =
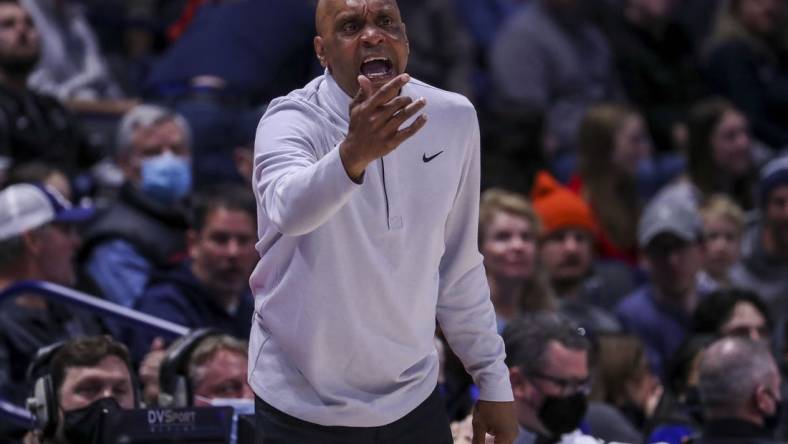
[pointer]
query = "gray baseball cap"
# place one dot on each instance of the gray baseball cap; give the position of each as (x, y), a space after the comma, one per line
(668, 214)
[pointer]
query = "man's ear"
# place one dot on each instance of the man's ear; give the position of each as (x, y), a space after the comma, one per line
(320, 50)
(191, 243)
(762, 399)
(33, 242)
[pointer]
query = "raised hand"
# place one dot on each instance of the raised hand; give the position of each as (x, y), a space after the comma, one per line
(375, 120)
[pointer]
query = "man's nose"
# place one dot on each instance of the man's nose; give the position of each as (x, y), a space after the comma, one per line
(371, 35)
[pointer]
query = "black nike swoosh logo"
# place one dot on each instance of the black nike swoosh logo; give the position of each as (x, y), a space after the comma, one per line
(427, 159)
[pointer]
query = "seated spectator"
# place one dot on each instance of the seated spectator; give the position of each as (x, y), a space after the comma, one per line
(739, 386)
(441, 50)
(745, 61)
(669, 234)
(678, 415)
(38, 240)
(721, 155)
(550, 58)
(509, 232)
(48, 175)
(234, 57)
(733, 312)
(145, 228)
(622, 380)
(217, 371)
(723, 228)
(657, 65)
(33, 126)
(585, 291)
(88, 376)
(613, 139)
(547, 356)
(71, 65)
(765, 249)
(211, 288)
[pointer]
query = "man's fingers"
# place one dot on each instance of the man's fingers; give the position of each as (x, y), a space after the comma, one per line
(404, 114)
(479, 433)
(389, 90)
(394, 105)
(364, 90)
(406, 133)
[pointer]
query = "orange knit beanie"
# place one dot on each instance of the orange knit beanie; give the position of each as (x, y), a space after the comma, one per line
(558, 206)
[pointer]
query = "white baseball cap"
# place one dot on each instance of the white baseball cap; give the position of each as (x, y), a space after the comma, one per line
(27, 206)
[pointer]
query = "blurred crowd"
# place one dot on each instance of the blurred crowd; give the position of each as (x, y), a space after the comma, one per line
(633, 218)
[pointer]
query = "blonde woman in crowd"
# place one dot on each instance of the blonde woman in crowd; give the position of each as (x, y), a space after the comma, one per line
(509, 230)
(723, 227)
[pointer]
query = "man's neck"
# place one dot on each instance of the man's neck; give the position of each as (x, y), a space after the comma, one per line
(16, 82)
(227, 300)
(568, 290)
(771, 245)
(682, 301)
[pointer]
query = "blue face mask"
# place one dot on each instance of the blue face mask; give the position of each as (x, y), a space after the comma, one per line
(166, 177)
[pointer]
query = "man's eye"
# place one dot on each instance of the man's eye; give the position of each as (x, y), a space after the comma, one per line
(385, 21)
(350, 27)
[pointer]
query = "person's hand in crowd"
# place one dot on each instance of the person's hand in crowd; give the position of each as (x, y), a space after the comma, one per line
(375, 120)
(497, 419)
(149, 372)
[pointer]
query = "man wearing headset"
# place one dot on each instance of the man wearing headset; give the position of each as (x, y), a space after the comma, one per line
(84, 377)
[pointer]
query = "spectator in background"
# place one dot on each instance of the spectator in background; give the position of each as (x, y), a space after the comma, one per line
(145, 228)
(669, 234)
(733, 312)
(624, 382)
(91, 377)
(217, 370)
(38, 240)
(678, 416)
(33, 126)
(723, 227)
(234, 57)
(549, 58)
(740, 392)
(721, 155)
(613, 139)
(547, 356)
(509, 232)
(71, 65)
(657, 66)
(765, 251)
(585, 291)
(43, 173)
(441, 51)
(210, 289)
(745, 61)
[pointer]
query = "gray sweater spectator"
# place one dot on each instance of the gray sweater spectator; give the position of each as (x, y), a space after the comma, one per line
(550, 58)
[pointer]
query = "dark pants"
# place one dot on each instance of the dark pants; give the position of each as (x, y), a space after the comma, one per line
(426, 424)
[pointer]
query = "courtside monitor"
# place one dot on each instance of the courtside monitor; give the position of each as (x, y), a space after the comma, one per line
(193, 425)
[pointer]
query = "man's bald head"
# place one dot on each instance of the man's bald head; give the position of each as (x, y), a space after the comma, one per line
(360, 37)
(731, 370)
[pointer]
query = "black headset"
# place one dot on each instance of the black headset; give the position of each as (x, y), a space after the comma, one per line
(175, 388)
(43, 402)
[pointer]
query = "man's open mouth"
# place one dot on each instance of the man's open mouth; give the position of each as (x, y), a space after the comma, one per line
(377, 67)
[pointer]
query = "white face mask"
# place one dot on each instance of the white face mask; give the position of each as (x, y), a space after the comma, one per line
(240, 406)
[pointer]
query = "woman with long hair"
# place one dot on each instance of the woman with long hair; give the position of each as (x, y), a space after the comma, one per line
(745, 60)
(613, 142)
(721, 156)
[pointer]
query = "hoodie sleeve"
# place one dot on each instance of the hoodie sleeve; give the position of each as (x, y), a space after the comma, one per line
(299, 179)
(465, 312)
